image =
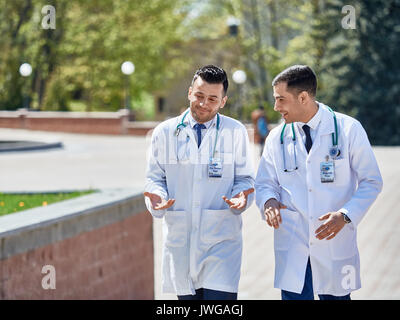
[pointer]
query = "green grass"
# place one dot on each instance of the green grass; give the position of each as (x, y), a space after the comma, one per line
(10, 203)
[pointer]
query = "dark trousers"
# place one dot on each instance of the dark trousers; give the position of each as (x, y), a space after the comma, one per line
(308, 292)
(208, 294)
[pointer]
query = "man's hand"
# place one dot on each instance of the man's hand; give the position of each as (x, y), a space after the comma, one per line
(239, 201)
(157, 202)
(272, 212)
(334, 223)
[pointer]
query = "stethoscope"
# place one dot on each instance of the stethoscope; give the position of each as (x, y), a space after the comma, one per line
(333, 151)
(183, 125)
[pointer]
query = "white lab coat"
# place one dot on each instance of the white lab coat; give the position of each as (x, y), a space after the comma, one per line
(335, 263)
(202, 239)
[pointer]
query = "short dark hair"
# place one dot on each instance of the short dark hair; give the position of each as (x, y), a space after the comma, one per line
(298, 78)
(212, 74)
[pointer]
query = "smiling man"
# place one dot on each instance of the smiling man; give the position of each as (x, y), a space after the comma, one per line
(316, 180)
(199, 180)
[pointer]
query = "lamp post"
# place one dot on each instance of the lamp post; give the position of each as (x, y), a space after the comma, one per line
(25, 70)
(239, 77)
(127, 69)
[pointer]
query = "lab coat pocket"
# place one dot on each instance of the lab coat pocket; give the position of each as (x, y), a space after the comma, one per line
(219, 225)
(175, 231)
(344, 244)
(283, 236)
(342, 171)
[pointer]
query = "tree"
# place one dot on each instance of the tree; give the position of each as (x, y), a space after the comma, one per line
(82, 57)
(274, 31)
(363, 69)
(13, 43)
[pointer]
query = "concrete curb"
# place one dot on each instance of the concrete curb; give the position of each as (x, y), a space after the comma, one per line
(30, 146)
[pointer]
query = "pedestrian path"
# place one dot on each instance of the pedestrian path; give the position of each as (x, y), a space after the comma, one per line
(378, 242)
(102, 161)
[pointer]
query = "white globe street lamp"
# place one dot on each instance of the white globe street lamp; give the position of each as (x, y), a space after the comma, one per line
(239, 76)
(25, 70)
(128, 68)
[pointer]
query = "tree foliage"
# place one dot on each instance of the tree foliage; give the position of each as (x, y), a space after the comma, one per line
(82, 57)
(358, 69)
(361, 68)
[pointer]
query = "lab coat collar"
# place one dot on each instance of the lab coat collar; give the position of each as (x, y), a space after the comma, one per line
(189, 120)
(193, 122)
(322, 118)
(327, 124)
(315, 121)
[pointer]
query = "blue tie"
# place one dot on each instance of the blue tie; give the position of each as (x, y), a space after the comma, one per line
(306, 130)
(198, 128)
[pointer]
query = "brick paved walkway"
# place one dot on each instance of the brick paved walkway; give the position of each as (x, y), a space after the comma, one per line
(99, 161)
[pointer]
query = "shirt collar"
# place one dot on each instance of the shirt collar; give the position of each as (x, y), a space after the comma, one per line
(314, 122)
(193, 122)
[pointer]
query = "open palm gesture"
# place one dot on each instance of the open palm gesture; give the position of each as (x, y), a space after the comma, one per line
(157, 202)
(238, 201)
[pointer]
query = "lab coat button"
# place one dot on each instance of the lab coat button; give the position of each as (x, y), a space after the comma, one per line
(310, 190)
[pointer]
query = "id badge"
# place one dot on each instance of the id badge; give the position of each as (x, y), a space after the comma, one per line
(215, 168)
(327, 171)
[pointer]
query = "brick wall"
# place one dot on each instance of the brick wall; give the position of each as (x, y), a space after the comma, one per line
(81, 122)
(114, 261)
(78, 125)
(75, 122)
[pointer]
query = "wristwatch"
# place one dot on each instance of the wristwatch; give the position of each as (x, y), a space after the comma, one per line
(345, 218)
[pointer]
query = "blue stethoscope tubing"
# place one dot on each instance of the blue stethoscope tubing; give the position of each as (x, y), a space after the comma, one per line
(334, 151)
(183, 125)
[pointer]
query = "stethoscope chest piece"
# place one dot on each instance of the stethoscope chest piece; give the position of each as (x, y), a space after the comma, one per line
(334, 152)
